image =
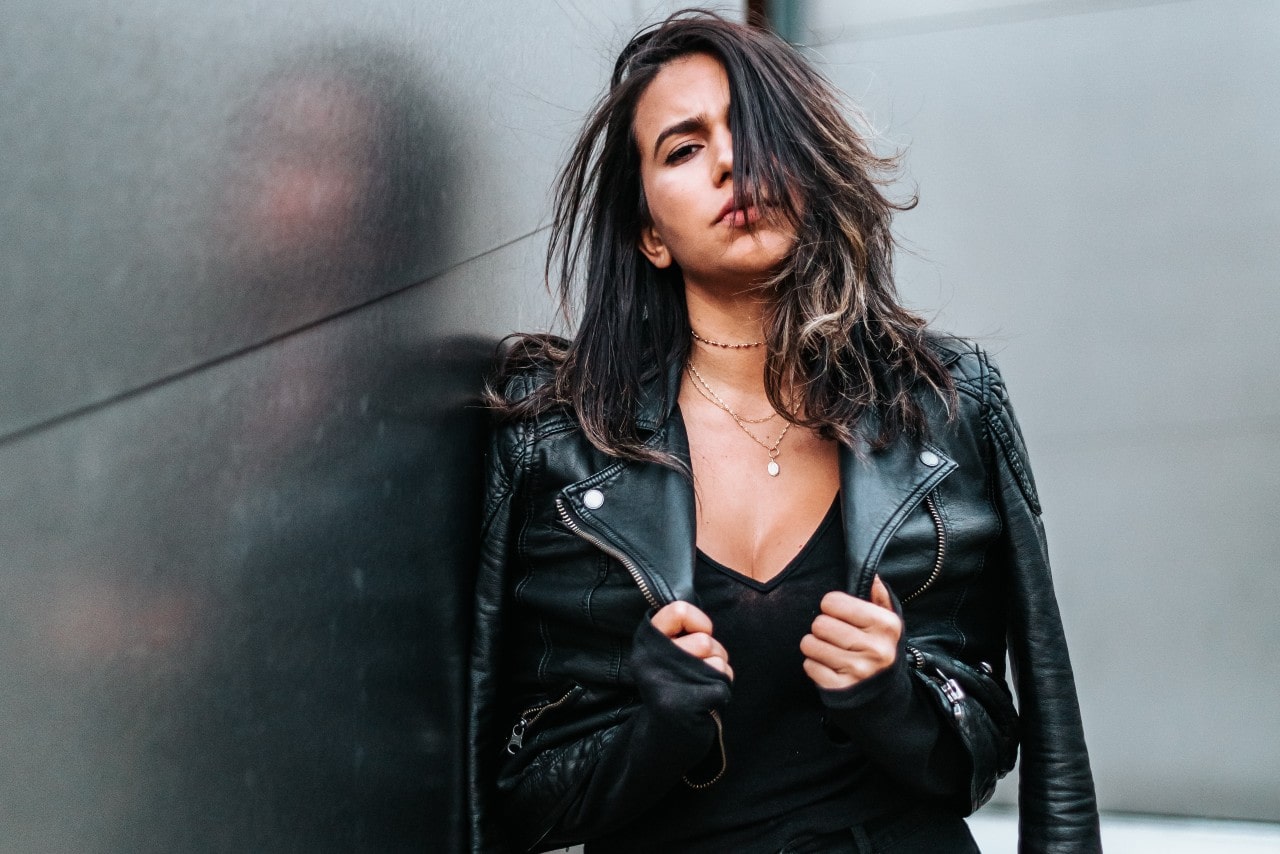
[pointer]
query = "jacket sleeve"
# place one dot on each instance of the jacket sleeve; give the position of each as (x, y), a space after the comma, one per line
(503, 464)
(895, 718)
(937, 725)
(1057, 808)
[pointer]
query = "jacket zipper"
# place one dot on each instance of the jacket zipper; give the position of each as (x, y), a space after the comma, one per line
(932, 506)
(950, 688)
(630, 566)
(530, 716)
(724, 757)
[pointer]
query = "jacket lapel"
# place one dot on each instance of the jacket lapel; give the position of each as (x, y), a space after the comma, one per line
(644, 512)
(878, 489)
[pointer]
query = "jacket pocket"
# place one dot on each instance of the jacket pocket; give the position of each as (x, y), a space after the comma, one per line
(529, 717)
(979, 708)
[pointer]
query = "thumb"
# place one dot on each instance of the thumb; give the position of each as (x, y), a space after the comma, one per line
(880, 594)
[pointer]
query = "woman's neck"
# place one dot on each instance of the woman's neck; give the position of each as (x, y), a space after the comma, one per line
(728, 319)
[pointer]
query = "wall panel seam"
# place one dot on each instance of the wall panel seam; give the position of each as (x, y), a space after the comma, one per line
(141, 389)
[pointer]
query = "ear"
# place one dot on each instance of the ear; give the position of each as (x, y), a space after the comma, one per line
(652, 247)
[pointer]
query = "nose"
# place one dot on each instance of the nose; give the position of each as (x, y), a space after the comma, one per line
(722, 164)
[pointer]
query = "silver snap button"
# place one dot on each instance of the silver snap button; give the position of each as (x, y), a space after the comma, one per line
(929, 458)
(593, 498)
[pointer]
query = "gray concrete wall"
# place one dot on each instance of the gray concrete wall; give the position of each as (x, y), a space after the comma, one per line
(253, 260)
(1099, 206)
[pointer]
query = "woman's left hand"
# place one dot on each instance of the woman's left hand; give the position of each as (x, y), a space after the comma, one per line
(852, 639)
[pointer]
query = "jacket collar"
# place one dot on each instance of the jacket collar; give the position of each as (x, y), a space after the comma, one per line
(658, 396)
(645, 514)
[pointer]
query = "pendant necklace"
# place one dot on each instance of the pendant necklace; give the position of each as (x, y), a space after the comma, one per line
(706, 391)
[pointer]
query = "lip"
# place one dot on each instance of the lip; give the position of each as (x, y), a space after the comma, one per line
(736, 217)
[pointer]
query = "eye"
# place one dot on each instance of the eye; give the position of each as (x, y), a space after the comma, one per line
(682, 152)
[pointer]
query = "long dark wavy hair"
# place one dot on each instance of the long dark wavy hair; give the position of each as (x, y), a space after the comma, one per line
(839, 345)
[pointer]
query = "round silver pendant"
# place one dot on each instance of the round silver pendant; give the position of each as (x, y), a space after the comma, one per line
(773, 468)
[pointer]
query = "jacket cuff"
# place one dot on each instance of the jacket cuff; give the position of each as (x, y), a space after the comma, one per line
(893, 721)
(675, 686)
(888, 690)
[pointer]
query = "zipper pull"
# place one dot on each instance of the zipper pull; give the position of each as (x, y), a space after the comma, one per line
(517, 736)
(953, 692)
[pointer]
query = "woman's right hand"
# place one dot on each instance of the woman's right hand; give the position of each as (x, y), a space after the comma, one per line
(690, 629)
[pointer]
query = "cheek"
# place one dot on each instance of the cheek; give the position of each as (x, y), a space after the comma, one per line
(665, 204)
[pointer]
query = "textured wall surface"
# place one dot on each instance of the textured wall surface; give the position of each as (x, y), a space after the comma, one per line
(254, 258)
(1099, 207)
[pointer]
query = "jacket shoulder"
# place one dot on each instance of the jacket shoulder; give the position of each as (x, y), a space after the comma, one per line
(519, 382)
(528, 362)
(518, 421)
(972, 368)
(978, 378)
(969, 365)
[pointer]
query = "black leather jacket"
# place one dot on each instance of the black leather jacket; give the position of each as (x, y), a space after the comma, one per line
(568, 740)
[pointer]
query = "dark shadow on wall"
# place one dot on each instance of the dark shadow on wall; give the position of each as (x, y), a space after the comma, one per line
(329, 193)
(325, 709)
(235, 607)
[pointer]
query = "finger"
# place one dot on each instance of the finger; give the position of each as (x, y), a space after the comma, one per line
(721, 665)
(857, 612)
(679, 618)
(880, 594)
(701, 645)
(840, 633)
(825, 677)
(826, 653)
(858, 665)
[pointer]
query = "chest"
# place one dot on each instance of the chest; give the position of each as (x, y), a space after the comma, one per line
(748, 518)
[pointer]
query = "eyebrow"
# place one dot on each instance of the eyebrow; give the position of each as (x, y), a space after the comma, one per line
(683, 126)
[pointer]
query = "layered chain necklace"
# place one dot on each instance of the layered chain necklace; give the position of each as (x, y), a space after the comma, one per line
(703, 388)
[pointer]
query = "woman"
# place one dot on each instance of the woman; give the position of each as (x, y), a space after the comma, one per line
(755, 538)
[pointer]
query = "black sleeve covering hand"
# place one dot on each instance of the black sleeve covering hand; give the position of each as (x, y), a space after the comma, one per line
(609, 777)
(895, 721)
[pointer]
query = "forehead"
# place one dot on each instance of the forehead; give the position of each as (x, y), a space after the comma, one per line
(686, 87)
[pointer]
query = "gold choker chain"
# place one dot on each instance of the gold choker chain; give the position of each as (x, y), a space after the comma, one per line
(748, 345)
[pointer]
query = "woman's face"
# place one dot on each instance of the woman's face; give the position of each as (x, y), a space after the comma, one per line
(686, 163)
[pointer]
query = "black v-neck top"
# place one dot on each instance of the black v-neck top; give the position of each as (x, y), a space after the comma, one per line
(785, 776)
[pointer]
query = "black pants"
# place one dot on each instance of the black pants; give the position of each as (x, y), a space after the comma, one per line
(918, 831)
